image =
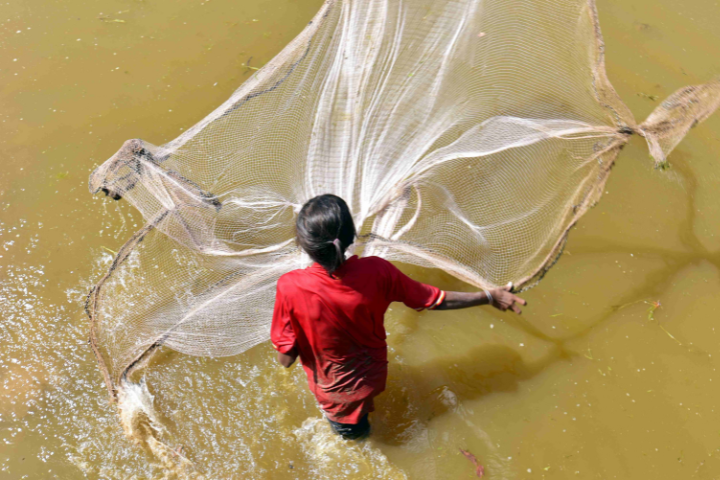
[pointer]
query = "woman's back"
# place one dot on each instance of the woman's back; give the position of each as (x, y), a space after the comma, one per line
(335, 323)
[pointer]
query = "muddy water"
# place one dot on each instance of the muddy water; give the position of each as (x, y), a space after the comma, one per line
(611, 372)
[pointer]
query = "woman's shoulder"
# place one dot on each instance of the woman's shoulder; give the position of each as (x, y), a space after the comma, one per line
(373, 260)
(290, 279)
(374, 263)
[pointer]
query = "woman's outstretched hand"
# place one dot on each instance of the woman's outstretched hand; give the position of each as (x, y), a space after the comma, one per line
(503, 299)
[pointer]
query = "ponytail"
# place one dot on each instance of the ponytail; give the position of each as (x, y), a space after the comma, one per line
(339, 252)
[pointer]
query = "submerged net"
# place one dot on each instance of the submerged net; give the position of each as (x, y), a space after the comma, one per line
(465, 135)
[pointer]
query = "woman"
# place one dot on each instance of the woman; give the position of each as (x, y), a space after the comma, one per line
(331, 314)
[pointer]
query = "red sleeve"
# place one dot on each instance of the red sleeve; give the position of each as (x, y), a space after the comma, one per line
(281, 331)
(410, 292)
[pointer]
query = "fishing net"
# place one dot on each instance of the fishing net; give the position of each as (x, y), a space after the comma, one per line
(465, 135)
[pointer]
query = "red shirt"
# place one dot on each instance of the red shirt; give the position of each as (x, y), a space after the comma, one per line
(336, 324)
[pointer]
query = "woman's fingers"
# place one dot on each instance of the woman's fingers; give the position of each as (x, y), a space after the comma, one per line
(504, 300)
(519, 300)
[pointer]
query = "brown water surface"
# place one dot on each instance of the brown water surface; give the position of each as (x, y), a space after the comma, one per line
(610, 373)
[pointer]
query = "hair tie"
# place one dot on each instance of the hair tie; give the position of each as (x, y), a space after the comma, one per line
(336, 242)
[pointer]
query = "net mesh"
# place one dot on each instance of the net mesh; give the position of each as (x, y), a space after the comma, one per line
(465, 135)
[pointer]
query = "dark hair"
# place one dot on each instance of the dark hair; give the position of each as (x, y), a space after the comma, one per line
(325, 229)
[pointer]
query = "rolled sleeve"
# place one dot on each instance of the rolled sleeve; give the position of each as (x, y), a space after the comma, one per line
(412, 293)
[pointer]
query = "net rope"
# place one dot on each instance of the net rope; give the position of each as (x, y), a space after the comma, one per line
(465, 135)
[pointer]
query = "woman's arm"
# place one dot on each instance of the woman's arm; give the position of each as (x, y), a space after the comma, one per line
(287, 359)
(502, 299)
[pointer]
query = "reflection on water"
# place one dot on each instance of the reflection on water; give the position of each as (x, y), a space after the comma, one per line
(610, 372)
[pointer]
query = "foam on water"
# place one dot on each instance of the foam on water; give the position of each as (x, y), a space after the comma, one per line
(332, 457)
(141, 424)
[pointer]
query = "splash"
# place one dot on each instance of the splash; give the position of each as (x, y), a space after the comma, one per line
(331, 457)
(141, 424)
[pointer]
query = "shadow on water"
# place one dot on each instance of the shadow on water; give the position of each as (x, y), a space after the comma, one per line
(694, 253)
(415, 395)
